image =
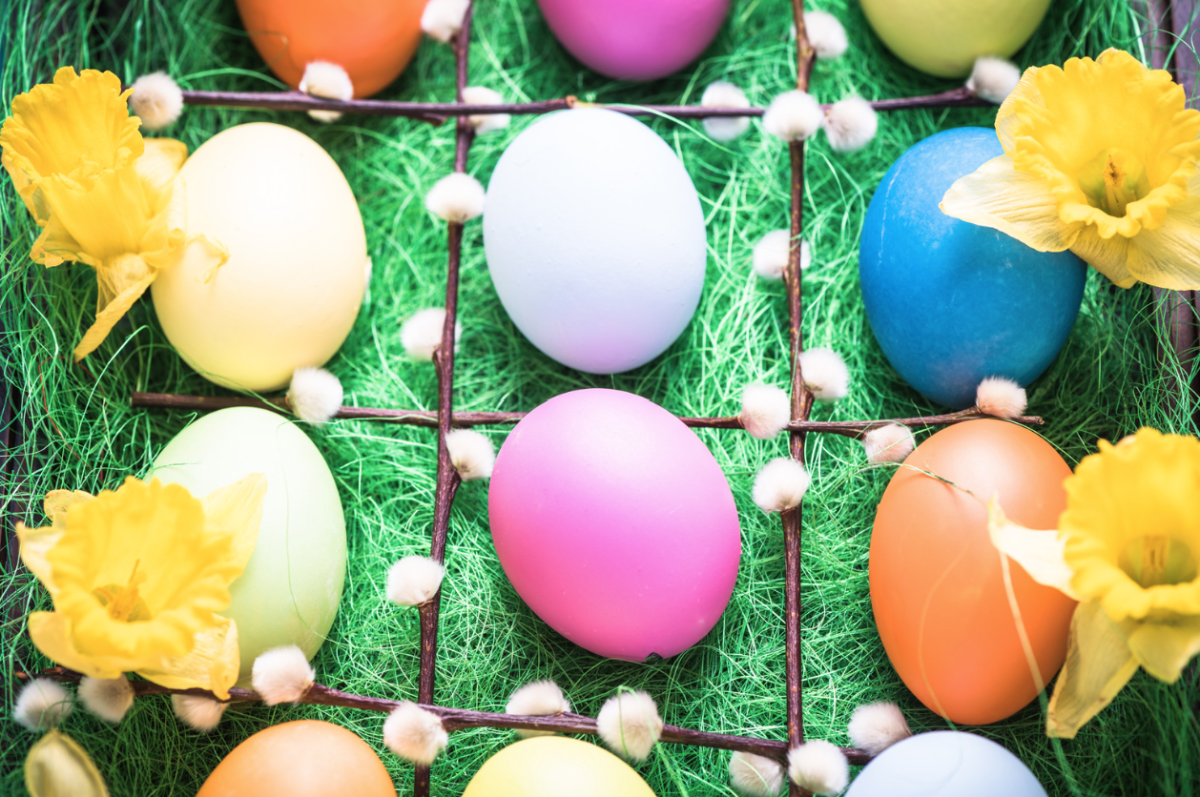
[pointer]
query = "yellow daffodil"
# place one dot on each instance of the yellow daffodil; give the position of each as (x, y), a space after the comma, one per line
(1099, 158)
(102, 194)
(138, 576)
(1128, 549)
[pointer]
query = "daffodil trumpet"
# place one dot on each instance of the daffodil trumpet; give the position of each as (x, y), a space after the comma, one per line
(138, 577)
(102, 194)
(1128, 549)
(1099, 158)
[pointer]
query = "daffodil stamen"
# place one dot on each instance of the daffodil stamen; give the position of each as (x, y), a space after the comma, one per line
(123, 603)
(1112, 180)
(1157, 559)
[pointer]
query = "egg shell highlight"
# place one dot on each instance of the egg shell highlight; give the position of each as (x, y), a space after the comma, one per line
(615, 524)
(952, 303)
(373, 40)
(297, 268)
(290, 590)
(552, 766)
(306, 758)
(937, 586)
(635, 39)
(944, 37)
(595, 239)
(946, 764)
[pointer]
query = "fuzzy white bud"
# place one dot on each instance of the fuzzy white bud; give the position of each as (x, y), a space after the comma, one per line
(890, 443)
(993, 79)
(421, 333)
(825, 374)
(825, 34)
(414, 580)
(456, 198)
(315, 395)
(157, 100)
(282, 675)
(1000, 397)
(108, 698)
(755, 775)
(537, 699)
(485, 122)
(780, 485)
(793, 116)
(877, 726)
(471, 453)
(771, 253)
(629, 725)
(820, 767)
(725, 95)
(201, 713)
(443, 18)
(766, 410)
(329, 81)
(42, 705)
(850, 124)
(414, 734)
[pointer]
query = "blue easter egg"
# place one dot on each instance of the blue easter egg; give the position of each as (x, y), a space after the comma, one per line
(946, 764)
(950, 302)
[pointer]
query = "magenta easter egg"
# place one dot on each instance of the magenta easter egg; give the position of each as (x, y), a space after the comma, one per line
(635, 39)
(615, 524)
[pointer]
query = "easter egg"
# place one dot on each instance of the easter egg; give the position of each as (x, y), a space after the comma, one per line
(944, 37)
(306, 758)
(297, 267)
(635, 39)
(595, 239)
(937, 584)
(290, 589)
(552, 766)
(950, 302)
(615, 524)
(946, 764)
(373, 40)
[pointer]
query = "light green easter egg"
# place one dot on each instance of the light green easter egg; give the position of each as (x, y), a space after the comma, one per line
(290, 590)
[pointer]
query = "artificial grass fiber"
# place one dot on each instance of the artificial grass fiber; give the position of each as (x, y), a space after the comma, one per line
(71, 426)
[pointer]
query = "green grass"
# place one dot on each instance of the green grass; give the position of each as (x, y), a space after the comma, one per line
(82, 434)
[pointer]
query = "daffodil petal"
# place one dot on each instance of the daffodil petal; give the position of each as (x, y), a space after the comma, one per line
(1164, 648)
(107, 213)
(1169, 255)
(1108, 256)
(1017, 204)
(57, 766)
(212, 664)
(1039, 552)
(158, 167)
(1098, 665)
(236, 509)
(133, 282)
(35, 543)
(51, 633)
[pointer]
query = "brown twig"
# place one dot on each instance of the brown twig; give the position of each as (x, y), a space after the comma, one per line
(457, 719)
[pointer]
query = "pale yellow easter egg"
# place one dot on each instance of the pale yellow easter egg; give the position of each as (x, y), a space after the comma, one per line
(553, 766)
(944, 37)
(297, 265)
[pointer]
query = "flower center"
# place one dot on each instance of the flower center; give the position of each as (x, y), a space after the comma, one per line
(1157, 559)
(122, 602)
(1112, 180)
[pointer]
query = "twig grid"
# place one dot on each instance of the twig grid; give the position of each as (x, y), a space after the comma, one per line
(444, 418)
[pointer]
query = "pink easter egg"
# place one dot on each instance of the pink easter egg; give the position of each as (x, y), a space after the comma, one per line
(615, 524)
(635, 39)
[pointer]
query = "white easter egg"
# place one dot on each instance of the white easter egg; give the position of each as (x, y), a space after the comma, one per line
(297, 259)
(595, 239)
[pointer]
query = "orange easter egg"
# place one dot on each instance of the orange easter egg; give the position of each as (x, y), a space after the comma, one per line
(373, 40)
(307, 758)
(937, 585)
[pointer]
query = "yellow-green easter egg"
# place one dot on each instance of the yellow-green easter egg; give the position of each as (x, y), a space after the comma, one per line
(290, 590)
(551, 766)
(944, 37)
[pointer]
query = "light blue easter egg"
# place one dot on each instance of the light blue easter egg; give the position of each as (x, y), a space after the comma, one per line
(950, 302)
(946, 764)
